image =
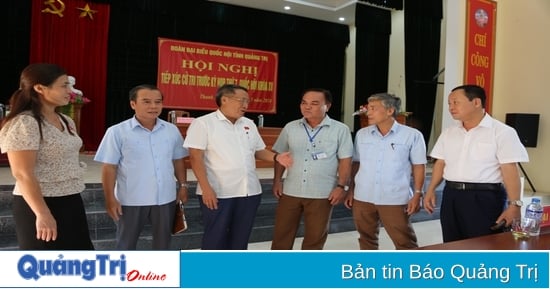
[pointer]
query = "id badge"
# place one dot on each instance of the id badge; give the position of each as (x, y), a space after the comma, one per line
(319, 156)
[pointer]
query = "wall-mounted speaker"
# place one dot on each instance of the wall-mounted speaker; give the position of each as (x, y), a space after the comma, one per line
(526, 125)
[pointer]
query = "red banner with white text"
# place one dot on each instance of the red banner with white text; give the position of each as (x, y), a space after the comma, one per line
(189, 74)
(480, 46)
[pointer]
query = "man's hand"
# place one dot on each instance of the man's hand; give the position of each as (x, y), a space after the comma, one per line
(285, 159)
(430, 201)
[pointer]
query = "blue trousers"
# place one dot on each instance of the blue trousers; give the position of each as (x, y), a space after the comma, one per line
(229, 227)
(470, 213)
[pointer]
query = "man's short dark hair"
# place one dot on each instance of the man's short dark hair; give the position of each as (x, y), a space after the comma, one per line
(134, 91)
(473, 91)
(325, 92)
(227, 89)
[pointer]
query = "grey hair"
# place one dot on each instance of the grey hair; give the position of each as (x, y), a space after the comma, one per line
(388, 100)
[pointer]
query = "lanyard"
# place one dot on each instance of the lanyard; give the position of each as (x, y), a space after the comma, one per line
(311, 137)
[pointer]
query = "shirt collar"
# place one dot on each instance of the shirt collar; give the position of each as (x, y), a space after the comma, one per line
(135, 123)
(486, 121)
(325, 122)
(222, 117)
(394, 128)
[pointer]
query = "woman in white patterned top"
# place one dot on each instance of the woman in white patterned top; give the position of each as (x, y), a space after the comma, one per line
(42, 147)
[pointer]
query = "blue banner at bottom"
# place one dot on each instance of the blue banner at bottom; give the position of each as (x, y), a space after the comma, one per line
(364, 269)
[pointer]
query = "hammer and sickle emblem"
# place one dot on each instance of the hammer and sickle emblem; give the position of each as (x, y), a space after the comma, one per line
(54, 9)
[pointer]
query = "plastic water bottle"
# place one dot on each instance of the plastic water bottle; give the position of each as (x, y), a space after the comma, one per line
(261, 120)
(533, 216)
(173, 117)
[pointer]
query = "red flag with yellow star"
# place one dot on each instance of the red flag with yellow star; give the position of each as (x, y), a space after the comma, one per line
(74, 34)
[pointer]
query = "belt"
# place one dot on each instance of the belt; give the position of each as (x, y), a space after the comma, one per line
(473, 186)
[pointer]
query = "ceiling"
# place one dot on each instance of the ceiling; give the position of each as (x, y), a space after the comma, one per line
(326, 10)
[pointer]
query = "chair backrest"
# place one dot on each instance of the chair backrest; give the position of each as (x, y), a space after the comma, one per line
(174, 114)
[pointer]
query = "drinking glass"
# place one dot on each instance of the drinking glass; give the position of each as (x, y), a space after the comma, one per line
(520, 228)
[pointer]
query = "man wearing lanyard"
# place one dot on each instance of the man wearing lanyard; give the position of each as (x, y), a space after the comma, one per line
(475, 157)
(318, 180)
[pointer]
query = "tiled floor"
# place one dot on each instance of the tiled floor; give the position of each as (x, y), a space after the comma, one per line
(427, 232)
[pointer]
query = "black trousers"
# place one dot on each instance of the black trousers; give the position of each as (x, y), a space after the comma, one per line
(70, 216)
(470, 213)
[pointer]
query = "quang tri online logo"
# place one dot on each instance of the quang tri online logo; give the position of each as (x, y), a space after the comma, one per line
(91, 269)
(29, 267)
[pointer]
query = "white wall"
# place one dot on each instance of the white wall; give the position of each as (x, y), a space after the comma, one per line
(396, 69)
(440, 105)
(454, 52)
(348, 106)
(522, 73)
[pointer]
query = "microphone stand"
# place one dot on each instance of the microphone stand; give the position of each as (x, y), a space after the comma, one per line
(434, 78)
(528, 180)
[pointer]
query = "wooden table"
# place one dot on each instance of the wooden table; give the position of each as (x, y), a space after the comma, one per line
(501, 241)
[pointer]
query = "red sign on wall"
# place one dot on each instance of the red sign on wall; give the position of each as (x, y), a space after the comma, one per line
(189, 74)
(480, 46)
(545, 217)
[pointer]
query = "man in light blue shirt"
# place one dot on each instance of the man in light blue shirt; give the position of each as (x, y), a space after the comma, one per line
(143, 172)
(385, 155)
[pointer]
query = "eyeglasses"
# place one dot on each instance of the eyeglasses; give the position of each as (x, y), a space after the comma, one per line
(243, 100)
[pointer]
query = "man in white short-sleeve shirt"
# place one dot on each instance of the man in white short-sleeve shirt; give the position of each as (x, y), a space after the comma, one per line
(223, 147)
(476, 158)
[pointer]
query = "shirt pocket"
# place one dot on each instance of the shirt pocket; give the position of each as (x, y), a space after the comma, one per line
(483, 151)
(138, 150)
(399, 152)
(327, 146)
(164, 146)
(367, 149)
(250, 142)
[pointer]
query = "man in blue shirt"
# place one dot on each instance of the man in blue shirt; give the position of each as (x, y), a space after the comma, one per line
(385, 155)
(143, 172)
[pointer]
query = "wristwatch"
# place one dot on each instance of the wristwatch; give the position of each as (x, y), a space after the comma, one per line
(183, 185)
(344, 187)
(517, 203)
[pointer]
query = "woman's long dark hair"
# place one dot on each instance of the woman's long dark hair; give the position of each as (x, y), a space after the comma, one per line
(26, 98)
